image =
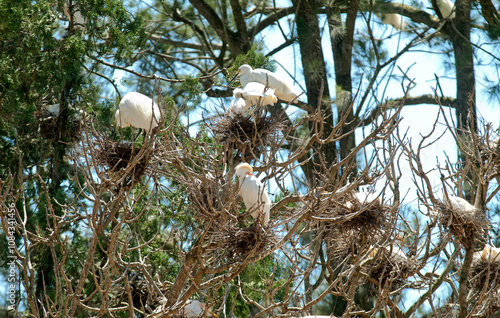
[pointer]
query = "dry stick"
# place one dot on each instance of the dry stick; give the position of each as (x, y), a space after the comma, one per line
(432, 289)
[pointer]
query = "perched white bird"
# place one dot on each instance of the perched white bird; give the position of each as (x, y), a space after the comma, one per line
(238, 107)
(53, 109)
(255, 93)
(364, 198)
(282, 89)
(254, 194)
(139, 111)
(459, 205)
(196, 308)
(394, 19)
(490, 254)
(446, 7)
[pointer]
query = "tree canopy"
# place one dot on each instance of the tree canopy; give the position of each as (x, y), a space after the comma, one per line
(103, 221)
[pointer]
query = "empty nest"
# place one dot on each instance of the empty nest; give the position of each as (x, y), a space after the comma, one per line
(119, 156)
(465, 226)
(234, 241)
(50, 126)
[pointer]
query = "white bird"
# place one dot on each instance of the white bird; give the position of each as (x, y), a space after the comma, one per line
(364, 198)
(238, 107)
(254, 194)
(490, 254)
(394, 19)
(446, 7)
(282, 89)
(139, 111)
(255, 93)
(196, 308)
(459, 205)
(53, 109)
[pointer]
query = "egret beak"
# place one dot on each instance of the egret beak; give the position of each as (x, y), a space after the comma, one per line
(234, 77)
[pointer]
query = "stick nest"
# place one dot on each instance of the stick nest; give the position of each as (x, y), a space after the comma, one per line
(465, 226)
(247, 134)
(50, 126)
(355, 224)
(123, 157)
(485, 273)
(239, 242)
(391, 270)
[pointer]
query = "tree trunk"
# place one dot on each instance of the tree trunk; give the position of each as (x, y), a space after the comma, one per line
(314, 70)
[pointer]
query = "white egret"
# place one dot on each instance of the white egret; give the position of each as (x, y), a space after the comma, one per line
(460, 205)
(282, 89)
(446, 7)
(256, 93)
(196, 308)
(53, 109)
(394, 19)
(254, 194)
(364, 198)
(139, 111)
(238, 107)
(490, 254)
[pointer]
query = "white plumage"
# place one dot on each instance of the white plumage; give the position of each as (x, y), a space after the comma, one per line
(254, 193)
(394, 19)
(282, 89)
(366, 197)
(490, 254)
(238, 107)
(196, 308)
(255, 93)
(53, 109)
(446, 8)
(139, 111)
(459, 205)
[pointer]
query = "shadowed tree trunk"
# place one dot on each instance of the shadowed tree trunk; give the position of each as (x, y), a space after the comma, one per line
(314, 71)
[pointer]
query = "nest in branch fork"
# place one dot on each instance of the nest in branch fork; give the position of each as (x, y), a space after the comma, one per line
(390, 267)
(49, 127)
(144, 298)
(485, 273)
(248, 134)
(347, 221)
(123, 157)
(490, 151)
(235, 241)
(465, 226)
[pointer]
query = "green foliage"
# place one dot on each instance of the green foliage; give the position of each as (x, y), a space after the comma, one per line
(254, 58)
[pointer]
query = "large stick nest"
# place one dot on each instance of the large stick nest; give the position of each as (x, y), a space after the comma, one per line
(248, 134)
(236, 242)
(349, 223)
(122, 157)
(391, 270)
(485, 273)
(49, 126)
(465, 226)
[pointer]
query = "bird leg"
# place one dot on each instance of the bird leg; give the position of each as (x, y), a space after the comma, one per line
(140, 130)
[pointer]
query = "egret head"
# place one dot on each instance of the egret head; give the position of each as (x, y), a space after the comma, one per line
(244, 69)
(242, 170)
